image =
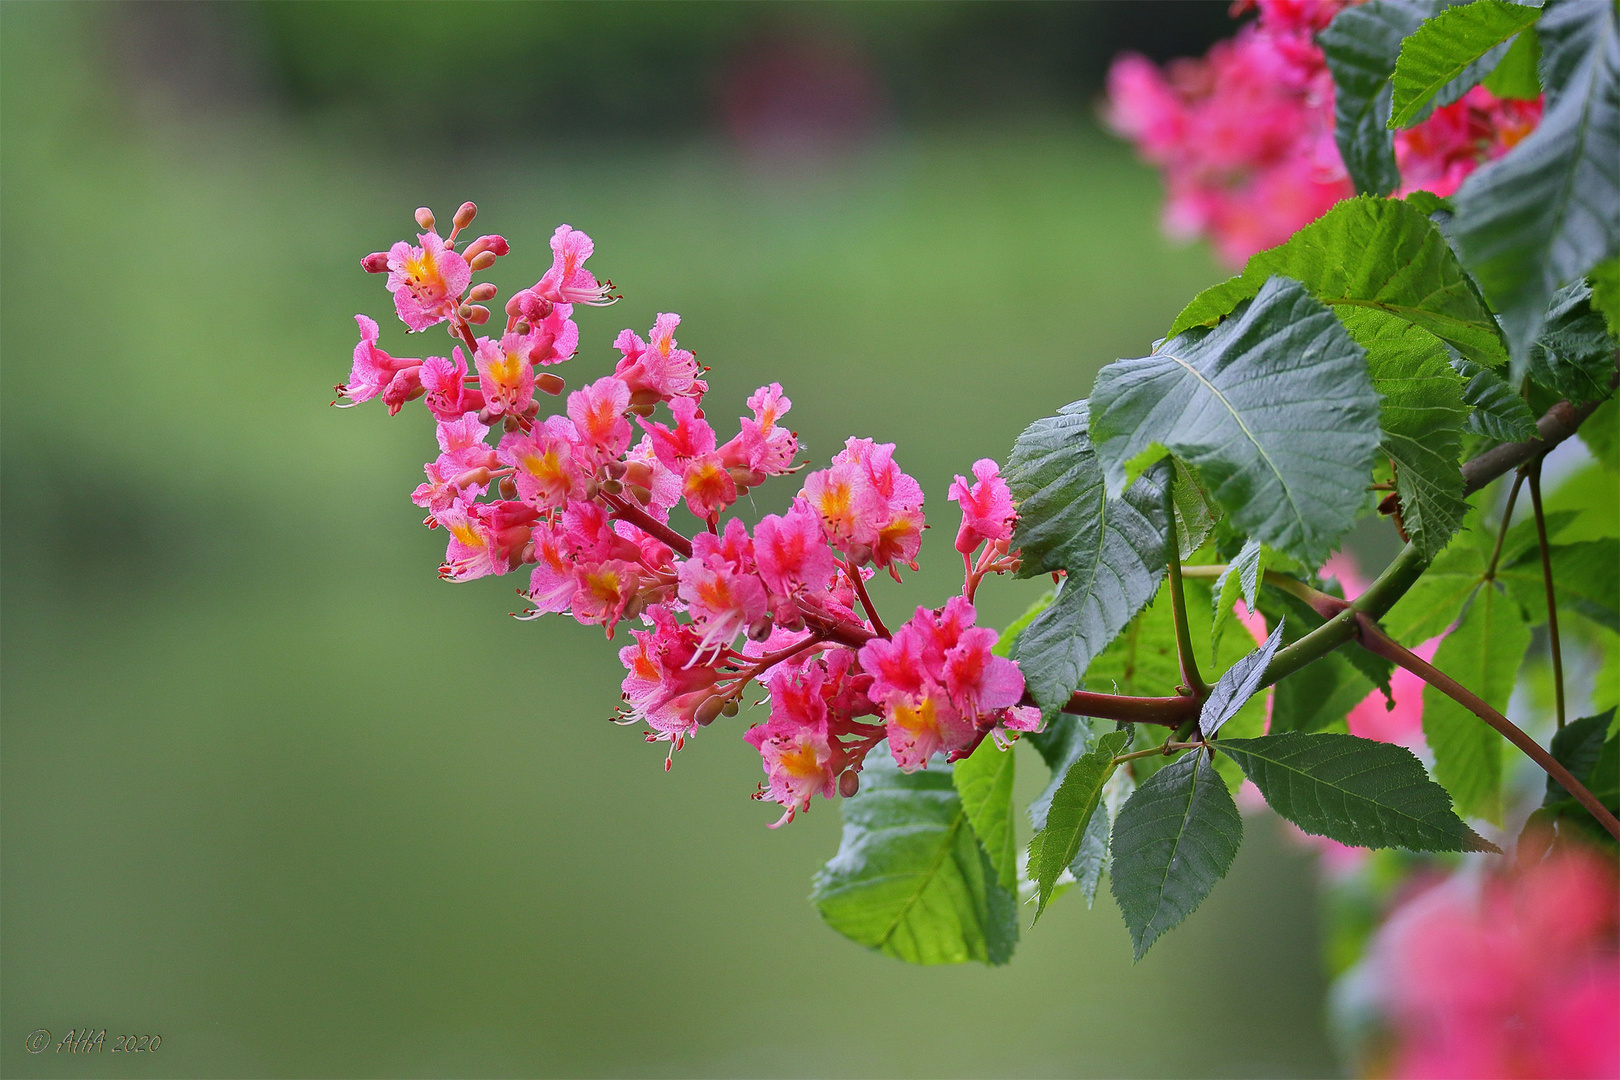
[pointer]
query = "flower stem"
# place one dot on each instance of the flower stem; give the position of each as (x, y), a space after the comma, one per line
(1502, 530)
(1376, 641)
(1547, 578)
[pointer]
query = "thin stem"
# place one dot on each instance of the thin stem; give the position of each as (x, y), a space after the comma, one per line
(854, 575)
(1376, 641)
(625, 510)
(1178, 605)
(1502, 530)
(1547, 578)
(1168, 747)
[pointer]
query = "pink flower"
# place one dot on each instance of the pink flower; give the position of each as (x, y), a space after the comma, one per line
(1515, 975)
(794, 747)
(448, 396)
(922, 725)
(872, 511)
(504, 375)
(1438, 154)
(763, 447)
(568, 282)
(663, 685)
(554, 338)
(987, 507)
(373, 370)
(546, 474)
(658, 371)
(427, 281)
(597, 411)
(484, 537)
(719, 586)
(792, 552)
(979, 682)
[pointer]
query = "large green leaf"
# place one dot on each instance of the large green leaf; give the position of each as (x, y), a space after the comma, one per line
(910, 879)
(1272, 408)
(1356, 791)
(1383, 254)
(1549, 210)
(1067, 819)
(1362, 45)
(1174, 839)
(1422, 420)
(1583, 573)
(1495, 409)
(984, 783)
(1449, 54)
(1515, 76)
(1577, 747)
(1574, 356)
(1237, 685)
(1483, 654)
(1111, 547)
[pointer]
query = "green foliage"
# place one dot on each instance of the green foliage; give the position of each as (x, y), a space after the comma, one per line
(1515, 76)
(1196, 515)
(1355, 791)
(1578, 746)
(1605, 280)
(1061, 743)
(1240, 578)
(1422, 421)
(1272, 408)
(1545, 214)
(1574, 356)
(1495, 409)
(1111, 547)
(1449, 54)
(1601, 433)
(1055, 847)
(1174, 839)
(1383, 254)
(984, 783)
(1583, 575)
(1237, 685)
(1362, 47)
(910, 879)
(1483, 654)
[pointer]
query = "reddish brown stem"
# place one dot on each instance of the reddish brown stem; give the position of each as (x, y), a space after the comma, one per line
(1164, 711)
(1376, 641)
(1547, 579)
(853, 573)
(625, 510)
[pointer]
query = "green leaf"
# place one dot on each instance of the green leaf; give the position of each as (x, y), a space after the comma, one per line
(1496, 410)
(1601, 434)
(1196, 515)
(1276, 604)
(1111, 547)
(1422, 420)
(1483, 654)
(1583, 574)
(1092, 858)
(1605, 279)
(1240, 578)
(1361, 46)
(1574, 356)
(910, 879)
(1449, 54)
(984, 782)
(1237, 685)
(1384, 254)
(1174, 839)
(1058, 843)
(1353, 790)
(1436, 599)
(1009, 637)
(1549, 210)
(1271, 408)
(1577, 747)
(1515, 77)
(1319, 695)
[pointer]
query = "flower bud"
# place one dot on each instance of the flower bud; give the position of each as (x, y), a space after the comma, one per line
(646, 397)
(511, 423)
(642, 495)
(424, 217)
(483, 291)
(760, 628)
(547, 383)
(708, 710)
(615, 469)
(731, 707)
(482, 261)
(508, 488)
(465, 215)
(638, 474)
(496, 244)
(849, 783)
(640, 410)
(612, 487)
(375, 263)
(465, 311)
(522, 326)
(479, 315)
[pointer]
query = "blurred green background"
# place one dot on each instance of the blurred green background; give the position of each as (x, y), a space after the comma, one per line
(274, 792)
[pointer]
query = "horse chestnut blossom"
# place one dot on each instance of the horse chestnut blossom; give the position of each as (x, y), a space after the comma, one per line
(582, 501)
(1244, 136)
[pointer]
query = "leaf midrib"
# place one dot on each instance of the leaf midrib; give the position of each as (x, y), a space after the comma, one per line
(927, 876)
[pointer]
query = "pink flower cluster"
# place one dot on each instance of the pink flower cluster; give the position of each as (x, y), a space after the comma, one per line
(582, 500)
(1516, 975)
(1244, 136)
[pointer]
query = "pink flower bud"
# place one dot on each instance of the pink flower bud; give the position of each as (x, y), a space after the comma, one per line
(849, 783)
(482, 261)
(375, 263)
(547, 383)
(706, 712)
(477, 314)
(424, 217)
(483, 291)
(464, 215)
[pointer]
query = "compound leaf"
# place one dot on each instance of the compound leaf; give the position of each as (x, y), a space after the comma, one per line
(1272, 408)
(1111, 547)
(1549, 210)
(1173, 840)
(1353, 790)
(1384, 254)
(910, 879)
(1449, 54)
(1055, 847)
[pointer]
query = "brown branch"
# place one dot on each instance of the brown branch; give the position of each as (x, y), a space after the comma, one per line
(1164, 711)
(1558, 424)
(1376, 641)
